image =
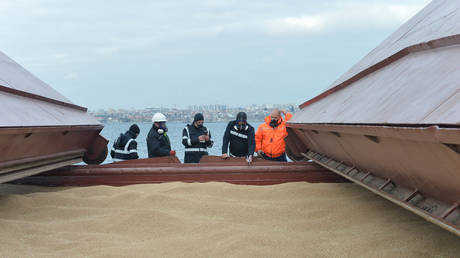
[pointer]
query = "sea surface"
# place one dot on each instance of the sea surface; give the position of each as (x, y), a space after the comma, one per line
(111, 132)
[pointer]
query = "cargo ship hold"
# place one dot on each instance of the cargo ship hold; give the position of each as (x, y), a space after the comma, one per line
(392, 122)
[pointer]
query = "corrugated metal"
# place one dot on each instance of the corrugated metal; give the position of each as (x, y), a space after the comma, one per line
(27, 101)
(421, 88)
(14, 76)
(18, 111)
(437, 20)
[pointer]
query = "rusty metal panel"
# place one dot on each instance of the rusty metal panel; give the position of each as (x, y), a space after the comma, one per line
(433, 168)
(166, 169)
(16, 146)
(443, 214)
(432, 133)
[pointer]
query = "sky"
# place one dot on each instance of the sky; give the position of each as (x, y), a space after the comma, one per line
(148, 53)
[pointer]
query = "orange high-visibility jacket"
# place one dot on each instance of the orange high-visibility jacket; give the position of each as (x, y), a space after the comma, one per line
(271, 140)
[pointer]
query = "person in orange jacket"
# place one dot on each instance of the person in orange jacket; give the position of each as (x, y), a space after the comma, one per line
(270, 136)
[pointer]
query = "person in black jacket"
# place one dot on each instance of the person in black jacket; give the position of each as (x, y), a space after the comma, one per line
(158, 144)
(240, 135)
(125, 147)
(196, 138)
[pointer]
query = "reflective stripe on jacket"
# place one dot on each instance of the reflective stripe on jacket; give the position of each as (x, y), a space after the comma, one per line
(125, 147)
(242, 142)
(271, 140)
(194, 148)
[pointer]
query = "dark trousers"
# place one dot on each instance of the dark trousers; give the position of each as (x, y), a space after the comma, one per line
(193, 157)
(280, 158)
(239, 155)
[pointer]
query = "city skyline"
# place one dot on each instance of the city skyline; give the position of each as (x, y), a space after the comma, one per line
(202, 106)
(212, 113)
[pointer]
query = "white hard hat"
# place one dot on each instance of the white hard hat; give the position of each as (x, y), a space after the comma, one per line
(158, 117)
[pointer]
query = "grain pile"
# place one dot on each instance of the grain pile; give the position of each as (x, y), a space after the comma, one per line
(213, 220)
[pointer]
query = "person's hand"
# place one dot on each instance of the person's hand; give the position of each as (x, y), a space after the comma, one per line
(202, 138)
(225, 155)
(249, 159)
(260, 153)
(206, 137)
(172, 153)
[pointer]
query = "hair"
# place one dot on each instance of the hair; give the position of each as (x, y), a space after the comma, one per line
(241, 116)
(198, 117)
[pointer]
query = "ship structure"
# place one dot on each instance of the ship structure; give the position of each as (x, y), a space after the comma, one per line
(39, 128)
(392, 122)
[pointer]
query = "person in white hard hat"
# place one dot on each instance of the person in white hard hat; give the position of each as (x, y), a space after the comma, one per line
(158, 144)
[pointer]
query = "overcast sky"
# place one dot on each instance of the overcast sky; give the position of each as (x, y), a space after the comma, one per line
(144, 53)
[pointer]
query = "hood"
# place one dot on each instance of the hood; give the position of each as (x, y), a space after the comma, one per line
(131, 134)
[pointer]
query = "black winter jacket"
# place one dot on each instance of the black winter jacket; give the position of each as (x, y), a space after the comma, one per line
(194, 149)
(158, 145)
(242, 142)
(125, 147)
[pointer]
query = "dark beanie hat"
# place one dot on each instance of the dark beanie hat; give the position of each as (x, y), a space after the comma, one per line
(241, 116)
(134, 128)
(198, 117)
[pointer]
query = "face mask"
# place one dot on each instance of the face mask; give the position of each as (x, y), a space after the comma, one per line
(274, 123)
(163, 129)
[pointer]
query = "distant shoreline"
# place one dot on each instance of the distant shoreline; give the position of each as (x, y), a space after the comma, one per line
(212, 113)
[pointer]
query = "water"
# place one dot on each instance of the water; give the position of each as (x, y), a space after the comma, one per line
(111, 132)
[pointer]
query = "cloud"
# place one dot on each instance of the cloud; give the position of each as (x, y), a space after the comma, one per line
(348, 15)
(98, 33)
(178, 43)
(107, 50)
(71, 76)
(296, 24)
(216, 3)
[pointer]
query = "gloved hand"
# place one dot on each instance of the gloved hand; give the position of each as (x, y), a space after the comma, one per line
(172, 153)
(260, 153)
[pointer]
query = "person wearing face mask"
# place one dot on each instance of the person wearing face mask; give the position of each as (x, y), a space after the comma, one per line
(270, 136)
(125, 147)
(158, 144)
(240, 136)
(196, 138)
